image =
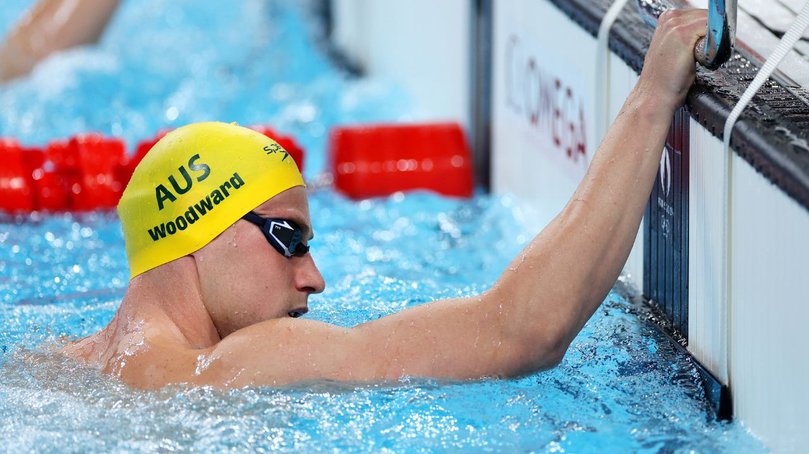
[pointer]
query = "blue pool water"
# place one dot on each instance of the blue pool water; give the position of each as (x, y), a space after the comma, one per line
(621, 388)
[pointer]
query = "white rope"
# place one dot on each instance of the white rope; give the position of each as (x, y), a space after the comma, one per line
(786, 44)
(602, 70)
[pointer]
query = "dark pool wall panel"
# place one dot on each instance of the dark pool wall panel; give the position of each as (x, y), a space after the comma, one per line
(666, 229)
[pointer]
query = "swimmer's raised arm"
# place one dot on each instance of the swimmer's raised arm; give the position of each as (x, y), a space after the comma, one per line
(214, 292)
(50, 26)
(528, 319)
(567, 271)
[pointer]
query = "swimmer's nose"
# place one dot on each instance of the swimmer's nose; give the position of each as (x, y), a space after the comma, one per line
(309, 279)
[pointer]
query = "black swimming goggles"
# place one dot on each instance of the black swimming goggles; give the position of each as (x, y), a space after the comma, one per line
(284, 235)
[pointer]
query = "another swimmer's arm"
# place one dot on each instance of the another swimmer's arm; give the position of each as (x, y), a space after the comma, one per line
(50, 26)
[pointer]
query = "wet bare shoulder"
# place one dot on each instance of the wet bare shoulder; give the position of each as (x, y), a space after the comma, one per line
(278, 352)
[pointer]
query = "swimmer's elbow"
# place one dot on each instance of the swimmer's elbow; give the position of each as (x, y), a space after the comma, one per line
(552, 355)
(555, 356)
(557, 349)
(527, 359)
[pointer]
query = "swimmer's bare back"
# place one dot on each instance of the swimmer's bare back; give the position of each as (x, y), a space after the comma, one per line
(525, 323)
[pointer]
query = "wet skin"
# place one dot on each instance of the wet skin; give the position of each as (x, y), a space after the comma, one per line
(220, 316)
(175, 313)
(48, 27)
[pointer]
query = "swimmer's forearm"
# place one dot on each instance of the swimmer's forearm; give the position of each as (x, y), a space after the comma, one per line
(609, 203)
(557, 283)
(50, 26)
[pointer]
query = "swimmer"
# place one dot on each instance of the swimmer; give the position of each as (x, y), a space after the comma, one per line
(51, 26)
(217, 226)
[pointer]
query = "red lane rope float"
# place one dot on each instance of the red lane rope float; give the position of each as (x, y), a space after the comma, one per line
(83, 173)
(378, 160)
(97, 161)
(15, 190)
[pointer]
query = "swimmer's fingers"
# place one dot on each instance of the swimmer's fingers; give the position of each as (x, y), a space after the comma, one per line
(690, 26)
(669, 67)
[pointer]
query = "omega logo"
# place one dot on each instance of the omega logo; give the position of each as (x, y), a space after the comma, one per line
(544, 101)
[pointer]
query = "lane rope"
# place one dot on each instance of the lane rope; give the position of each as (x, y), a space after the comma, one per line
(603, 83)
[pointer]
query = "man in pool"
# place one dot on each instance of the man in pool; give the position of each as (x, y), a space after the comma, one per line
(216, 225)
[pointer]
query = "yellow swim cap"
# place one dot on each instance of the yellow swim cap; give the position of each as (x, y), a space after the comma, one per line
(193, 184)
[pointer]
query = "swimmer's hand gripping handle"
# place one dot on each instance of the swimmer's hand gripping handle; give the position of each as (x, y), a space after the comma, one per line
(716, 47)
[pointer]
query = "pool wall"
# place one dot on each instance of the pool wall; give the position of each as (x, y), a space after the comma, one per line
(427, 53)
(554, 91)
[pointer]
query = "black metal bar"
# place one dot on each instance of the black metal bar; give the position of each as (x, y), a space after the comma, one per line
(481, 89)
